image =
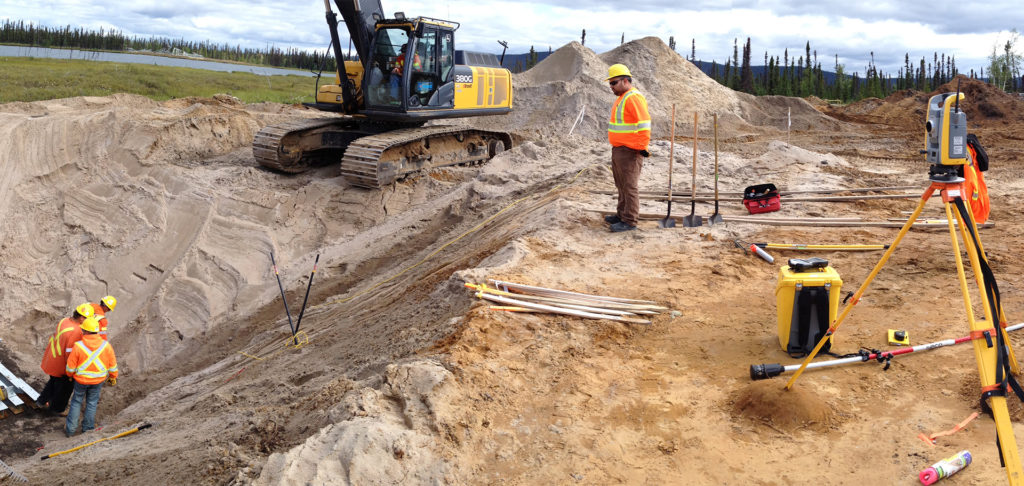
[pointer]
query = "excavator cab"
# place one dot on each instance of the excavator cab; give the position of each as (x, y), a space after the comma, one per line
(411, 67)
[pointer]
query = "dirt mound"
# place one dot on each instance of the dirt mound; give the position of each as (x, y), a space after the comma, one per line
(570, 84)
(770, 403)
(983, 100)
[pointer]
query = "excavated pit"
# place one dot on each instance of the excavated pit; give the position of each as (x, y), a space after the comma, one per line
(402, 377)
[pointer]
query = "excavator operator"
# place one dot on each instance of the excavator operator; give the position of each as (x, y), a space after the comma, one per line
(396, 72)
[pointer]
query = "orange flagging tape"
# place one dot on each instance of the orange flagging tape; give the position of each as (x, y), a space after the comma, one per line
(930, 439)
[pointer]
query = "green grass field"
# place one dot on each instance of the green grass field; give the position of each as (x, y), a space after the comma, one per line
(34, 79)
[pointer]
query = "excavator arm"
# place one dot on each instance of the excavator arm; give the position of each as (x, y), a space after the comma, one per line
(359, 17)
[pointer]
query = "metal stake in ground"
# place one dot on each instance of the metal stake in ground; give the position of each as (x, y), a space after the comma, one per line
(668, 222)
(283, 298)
(715, 218)
(693, 220)
(306, 298)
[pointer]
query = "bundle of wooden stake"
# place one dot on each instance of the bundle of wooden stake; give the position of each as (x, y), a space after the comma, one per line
(526, 298)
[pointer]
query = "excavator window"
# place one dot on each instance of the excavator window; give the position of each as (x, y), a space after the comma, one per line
(385, 85)
(426, 78)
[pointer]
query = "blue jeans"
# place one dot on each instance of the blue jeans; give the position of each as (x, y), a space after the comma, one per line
(91, 395)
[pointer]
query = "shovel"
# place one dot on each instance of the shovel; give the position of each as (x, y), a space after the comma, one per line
(693, 220)
(715, 218)
(668, 222)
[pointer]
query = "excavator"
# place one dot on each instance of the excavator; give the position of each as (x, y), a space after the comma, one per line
(407, 73)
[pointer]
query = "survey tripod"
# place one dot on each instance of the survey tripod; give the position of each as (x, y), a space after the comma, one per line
(996, 361)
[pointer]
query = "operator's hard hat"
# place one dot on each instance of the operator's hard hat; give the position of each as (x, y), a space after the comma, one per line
(617, 70)
(91, 324)
(109, 301)
(84, 310)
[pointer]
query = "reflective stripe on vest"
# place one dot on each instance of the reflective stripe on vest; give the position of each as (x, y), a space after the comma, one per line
(55, 348)
(83, 369)
(618, 125)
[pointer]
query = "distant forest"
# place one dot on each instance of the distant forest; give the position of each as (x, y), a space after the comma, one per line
(67, 37)
(802, 75)
(791, 75)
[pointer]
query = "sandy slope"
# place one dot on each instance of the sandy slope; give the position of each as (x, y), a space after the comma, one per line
(405, 378)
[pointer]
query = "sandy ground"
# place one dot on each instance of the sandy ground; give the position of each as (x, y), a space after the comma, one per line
(404, 377)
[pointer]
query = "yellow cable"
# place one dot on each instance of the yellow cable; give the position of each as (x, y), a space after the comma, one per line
(122, 434)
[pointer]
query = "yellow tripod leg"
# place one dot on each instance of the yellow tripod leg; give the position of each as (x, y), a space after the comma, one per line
(985, 355)
(1001, 318)
(864, 286)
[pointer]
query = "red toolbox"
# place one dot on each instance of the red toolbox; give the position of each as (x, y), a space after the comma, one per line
(761, 198)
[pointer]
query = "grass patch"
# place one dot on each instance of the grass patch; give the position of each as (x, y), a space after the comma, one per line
(35, 79)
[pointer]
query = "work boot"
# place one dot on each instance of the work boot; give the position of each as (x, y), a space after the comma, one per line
(622, 226)
(612, 219)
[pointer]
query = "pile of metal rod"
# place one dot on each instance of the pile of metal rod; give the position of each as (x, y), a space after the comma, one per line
(513, 297)
(14, 392)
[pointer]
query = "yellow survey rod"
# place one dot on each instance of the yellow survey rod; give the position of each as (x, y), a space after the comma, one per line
(839, 247)
(122, 434)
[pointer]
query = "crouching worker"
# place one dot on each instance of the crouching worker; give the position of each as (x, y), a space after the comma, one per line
(90, 363)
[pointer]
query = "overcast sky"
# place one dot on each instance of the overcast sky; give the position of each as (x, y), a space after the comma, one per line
(849, 29)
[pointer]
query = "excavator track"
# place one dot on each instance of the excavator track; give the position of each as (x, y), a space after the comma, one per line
(377, 160)
(297, 145)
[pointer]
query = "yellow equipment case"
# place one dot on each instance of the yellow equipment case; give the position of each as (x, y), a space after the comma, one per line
(807, 298)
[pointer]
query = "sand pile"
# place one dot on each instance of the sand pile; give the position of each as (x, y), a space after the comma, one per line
(552, 95)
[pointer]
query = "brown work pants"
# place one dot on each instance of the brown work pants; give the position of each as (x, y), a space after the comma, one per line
(626, 164)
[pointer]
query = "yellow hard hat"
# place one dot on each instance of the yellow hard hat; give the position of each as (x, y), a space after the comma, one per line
(91, 324)
(617, 70)
(109, 301)
(84, 310)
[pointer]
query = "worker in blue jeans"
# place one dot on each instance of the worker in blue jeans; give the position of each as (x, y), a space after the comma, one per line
(90, 363)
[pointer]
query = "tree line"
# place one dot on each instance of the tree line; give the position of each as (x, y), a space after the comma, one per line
(29, 34)
(803, 75)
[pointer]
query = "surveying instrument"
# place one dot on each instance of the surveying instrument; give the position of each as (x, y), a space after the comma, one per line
(946, 151)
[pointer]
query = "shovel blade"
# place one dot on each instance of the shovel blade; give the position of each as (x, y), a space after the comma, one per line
(714, 219)
(692, 221)
(668, 222)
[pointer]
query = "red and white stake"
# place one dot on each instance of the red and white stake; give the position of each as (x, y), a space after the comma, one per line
(764, 371)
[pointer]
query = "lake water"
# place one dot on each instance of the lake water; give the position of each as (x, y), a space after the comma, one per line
(22, 51)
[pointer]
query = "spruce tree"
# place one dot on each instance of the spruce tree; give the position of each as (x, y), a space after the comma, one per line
(746, 73)
(734, 79)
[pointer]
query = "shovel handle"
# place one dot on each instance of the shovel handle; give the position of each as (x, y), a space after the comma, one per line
(693, 182)
(716, 161)
(671, 151)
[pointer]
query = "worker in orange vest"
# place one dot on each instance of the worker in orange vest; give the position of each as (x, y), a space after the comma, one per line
(58, 389)
(100, 310)
(398, 70)
(90, 363)
(629, 132)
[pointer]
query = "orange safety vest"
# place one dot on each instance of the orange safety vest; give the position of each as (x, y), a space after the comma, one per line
(92, 360)
(630, 123)
(100, 316)
(416, 64)
(55, 356)
(975, 189)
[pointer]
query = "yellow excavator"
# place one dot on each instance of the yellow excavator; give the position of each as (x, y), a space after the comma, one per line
(408, 72)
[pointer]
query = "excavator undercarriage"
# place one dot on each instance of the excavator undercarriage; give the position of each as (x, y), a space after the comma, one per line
(372, 156)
